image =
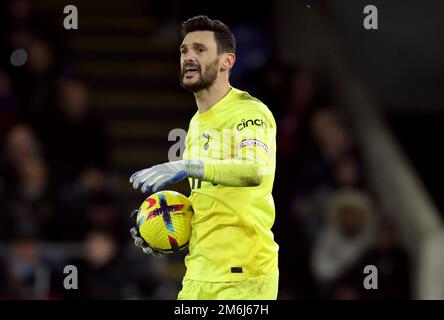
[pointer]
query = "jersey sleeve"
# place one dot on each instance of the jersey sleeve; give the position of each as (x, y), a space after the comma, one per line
(253, 132)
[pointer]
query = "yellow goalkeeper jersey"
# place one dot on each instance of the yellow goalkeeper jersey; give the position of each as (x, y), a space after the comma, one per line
(231, 237)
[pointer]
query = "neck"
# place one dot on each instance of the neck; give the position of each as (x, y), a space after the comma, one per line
(208, 97)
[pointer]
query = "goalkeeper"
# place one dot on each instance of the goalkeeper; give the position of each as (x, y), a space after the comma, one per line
(229, 160)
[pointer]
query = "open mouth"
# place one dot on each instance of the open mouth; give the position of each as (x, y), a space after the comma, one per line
(191, 71)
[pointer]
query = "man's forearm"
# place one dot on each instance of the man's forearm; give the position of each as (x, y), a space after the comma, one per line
(230, 173)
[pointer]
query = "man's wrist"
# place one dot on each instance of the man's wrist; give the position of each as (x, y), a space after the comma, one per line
(195, 168)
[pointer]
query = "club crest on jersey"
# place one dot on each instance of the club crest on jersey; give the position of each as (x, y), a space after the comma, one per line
(245, 123)
(207, 143)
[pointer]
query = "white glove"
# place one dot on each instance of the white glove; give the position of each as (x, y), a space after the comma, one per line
(140, 243)
(157, 177)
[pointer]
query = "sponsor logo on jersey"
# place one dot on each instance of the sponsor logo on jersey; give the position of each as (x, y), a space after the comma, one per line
(246, 123)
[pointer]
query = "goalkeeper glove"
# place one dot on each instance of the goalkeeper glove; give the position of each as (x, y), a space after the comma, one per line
(155, 178)
(140, 243)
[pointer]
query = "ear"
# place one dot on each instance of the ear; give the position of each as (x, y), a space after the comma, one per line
(228, 61)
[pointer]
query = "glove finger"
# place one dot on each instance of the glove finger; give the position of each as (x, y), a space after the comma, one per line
(147, 250)
(134, 213)
(148, 187)
(140, 177)
(138, 242)
(144, 177)
(137, 181)
(160, 185)
(135, 175)
(134, 232)
(150, 180)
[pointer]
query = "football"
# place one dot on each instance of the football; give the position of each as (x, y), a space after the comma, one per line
(164, 221)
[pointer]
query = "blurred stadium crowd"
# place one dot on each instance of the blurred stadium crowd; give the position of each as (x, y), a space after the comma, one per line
(59, 203)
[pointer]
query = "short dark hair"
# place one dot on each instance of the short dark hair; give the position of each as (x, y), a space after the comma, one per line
(225, 40)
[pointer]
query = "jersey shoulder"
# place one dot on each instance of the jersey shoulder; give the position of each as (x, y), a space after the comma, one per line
(250, 106)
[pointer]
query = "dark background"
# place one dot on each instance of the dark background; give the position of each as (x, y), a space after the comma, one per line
(88, 107)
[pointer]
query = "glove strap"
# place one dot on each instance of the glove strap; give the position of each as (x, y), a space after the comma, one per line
(195, 168)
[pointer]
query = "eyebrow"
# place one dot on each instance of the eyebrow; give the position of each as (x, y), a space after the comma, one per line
(194, 44)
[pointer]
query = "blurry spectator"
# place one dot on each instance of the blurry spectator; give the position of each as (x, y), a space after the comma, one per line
(35, 83)
(392, 263)
(252, 50)
(103, 274)
(331, 164)
(346, 235)
(347, 173)
(330, 134)
(291, 92)
(75, 137)
(21, 145)
(302, 93)
(103, 211)
(92, 208)
(331, 142)
(29, 206)
(77, 153)
(316, 148)
(271, 83)
(24, 15)
(28, 274)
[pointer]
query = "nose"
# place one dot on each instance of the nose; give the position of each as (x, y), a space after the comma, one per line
(189, 56)
(189, 60)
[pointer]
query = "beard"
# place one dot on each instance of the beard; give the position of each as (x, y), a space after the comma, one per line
(206, 79)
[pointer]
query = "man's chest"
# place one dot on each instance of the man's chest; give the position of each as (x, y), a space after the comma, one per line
(205, 142)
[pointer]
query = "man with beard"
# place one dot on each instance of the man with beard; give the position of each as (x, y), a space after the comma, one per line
(230, 162)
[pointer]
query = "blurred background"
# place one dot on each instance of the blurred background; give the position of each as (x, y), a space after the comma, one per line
(360, 116)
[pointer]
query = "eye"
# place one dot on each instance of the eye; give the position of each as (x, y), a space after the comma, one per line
(201, 50)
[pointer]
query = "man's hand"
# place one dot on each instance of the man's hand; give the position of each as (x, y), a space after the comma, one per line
(155, 178)
(140, 243)
(138, 240)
